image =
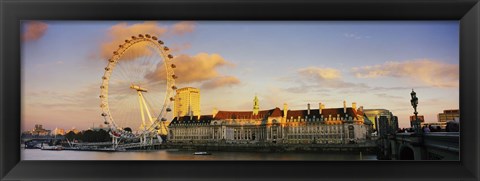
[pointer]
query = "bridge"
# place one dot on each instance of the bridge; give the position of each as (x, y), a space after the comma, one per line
(423, 146)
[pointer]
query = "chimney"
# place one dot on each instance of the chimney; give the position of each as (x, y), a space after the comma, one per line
(354, 106)
(214, 112)
(320, 108)
(285, 110)
(308, 109)
(344, 107)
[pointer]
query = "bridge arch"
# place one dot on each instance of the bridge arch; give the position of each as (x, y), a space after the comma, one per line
(406, 152)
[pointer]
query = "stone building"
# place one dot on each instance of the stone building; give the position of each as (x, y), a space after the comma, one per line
(309, 126)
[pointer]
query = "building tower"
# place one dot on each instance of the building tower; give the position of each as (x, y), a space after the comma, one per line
(256, 107)
(187, 102)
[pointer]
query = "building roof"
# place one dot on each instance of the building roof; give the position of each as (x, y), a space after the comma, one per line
(276, 112)
(191, 120)
(325, 113)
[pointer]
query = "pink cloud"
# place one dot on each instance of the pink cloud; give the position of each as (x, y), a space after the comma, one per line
(197, 68)
(34, 30)
(220, 82)
(429, 72)
(183, 27)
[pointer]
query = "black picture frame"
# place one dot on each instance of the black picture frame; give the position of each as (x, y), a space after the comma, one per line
(13, 11)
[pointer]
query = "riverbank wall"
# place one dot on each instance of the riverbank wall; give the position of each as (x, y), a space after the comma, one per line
(364, 147)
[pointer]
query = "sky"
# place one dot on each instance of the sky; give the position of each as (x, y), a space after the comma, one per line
(373, 63)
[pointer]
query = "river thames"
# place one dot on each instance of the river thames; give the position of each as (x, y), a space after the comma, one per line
(37, 154)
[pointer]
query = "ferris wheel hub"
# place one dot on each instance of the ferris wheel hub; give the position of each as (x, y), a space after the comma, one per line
(138, 88)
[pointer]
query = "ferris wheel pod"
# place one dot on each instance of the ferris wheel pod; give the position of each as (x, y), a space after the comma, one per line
(154, 38)
(107, 68)
(115, 53)
(102, 87)
(127, 41)
(104, 78)
(163, 119)
(140, 35)
(168, 109)
(174, 87)
(147, 35)
(133, 37)
(121, 46)
(173, 66)
(160, 42)
(174, 76)
(104, 114)
(166, 48)
(172, 99)
(111, 60)
(170, 56)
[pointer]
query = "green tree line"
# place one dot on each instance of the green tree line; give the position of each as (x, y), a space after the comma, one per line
(89, 136)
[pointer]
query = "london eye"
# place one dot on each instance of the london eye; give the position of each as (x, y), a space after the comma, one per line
(137, 89)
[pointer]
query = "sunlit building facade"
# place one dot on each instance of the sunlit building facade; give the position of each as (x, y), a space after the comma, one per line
(421, 119)
(307, 126)
(38, 130)
(187, 102)
(449, 115)
(374, 114)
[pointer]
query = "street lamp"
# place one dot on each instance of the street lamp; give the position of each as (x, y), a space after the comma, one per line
(414, 101)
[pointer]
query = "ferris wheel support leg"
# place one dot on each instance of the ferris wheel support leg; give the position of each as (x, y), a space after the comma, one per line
(141, 107)
(145, 107)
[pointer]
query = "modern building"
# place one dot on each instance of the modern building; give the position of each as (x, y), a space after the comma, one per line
(386, 125)
(449, 115)
(373, 114)
(187, 102)
(421, 118)
(307, 126)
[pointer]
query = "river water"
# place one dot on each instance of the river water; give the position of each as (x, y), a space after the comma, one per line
(37, 154)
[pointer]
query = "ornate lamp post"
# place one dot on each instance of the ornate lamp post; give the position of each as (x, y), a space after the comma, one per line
(414, 101)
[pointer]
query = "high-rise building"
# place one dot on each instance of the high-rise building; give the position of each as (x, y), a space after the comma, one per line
(187, 102)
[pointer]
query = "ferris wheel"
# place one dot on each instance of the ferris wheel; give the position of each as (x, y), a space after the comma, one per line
(137, 89)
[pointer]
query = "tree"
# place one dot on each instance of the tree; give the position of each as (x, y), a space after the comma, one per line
(70, 135)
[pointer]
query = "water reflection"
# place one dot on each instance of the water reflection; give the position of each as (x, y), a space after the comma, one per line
(36, 154)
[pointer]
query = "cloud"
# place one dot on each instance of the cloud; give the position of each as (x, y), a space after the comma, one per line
(122, 31)
(183, 27)
(197, 68)
(355, 36)
(384, 95)
(429, 72)
(220, 82)
(320, 73)
(118, 33)
(319, 79)
(180, 47)
(325, 78)
(34, 30)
